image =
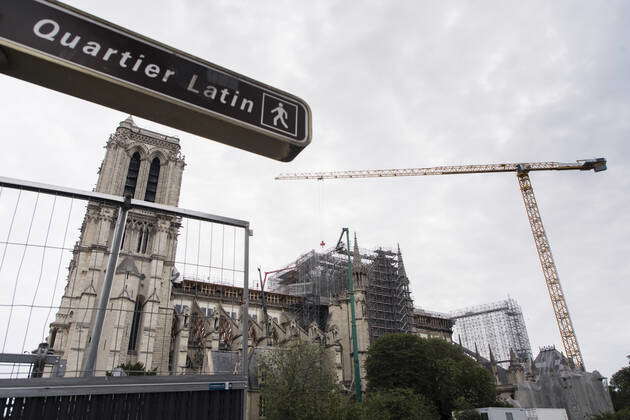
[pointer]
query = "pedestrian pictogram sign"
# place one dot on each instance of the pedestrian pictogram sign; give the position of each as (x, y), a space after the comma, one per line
(65, 49)
(279, 114)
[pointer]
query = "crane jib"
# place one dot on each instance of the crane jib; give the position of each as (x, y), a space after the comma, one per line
(598, 165)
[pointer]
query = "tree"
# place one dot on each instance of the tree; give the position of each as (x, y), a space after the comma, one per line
(619, 415)
(134, 369)
(398, 404)
(468, 415)
(620, 388)
(434, 368)
(299, 382)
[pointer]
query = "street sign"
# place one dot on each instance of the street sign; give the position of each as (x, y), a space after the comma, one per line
(62, 48)
(219, 386)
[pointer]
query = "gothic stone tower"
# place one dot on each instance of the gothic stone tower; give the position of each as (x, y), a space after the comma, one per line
(147, 166)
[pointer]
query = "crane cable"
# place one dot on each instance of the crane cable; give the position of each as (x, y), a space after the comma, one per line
(320, 212)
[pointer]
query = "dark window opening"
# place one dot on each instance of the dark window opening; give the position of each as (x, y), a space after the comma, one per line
(132, 175)
(152, 182)
(145, 240)
(139, 245)
(135, 324)
(53, 337)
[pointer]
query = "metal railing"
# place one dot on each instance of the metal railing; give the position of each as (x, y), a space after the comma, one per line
(38, 225)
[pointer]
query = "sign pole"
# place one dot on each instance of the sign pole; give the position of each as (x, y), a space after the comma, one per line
(245, 320)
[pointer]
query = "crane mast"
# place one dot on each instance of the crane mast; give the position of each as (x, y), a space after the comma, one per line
(560, 309)
(559, 304)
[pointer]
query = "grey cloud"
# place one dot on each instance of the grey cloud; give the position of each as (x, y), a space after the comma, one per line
(402, 84)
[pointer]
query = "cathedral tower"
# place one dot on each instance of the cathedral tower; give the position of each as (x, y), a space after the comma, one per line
(147, 166)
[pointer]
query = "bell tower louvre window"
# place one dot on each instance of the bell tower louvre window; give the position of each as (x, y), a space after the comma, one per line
(132, 175)
(152, 182)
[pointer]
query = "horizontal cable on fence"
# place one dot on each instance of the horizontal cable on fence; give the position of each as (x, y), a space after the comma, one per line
(216, 267)
(36, 245)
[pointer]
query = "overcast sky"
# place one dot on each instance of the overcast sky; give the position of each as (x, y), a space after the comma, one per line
(401, 84)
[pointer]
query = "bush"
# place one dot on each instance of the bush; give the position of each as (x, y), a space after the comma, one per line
(434, 368)
(619, 415)
(468, 415)
(134, 369)
(620, 388)
(298, 382)
(398, 404)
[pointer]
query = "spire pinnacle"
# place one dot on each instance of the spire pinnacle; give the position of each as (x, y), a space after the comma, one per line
(356, 255)
(513, 359)
(128, 122)
(401, 267)
(492, 360)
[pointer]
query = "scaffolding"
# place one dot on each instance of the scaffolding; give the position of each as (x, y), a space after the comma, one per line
(388, 302)
(319, 277)
(496, 327)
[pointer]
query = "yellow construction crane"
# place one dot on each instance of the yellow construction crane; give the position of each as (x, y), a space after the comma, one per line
(567, 332)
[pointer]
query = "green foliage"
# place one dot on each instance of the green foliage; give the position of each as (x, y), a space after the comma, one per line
(619, 415)
(434, 368)
(134, 369)
(468, 415)
(299, 382)
(398, 404)
(620, 388)
(499, 403)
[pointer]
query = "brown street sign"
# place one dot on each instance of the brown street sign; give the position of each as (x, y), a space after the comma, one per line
(62, 48)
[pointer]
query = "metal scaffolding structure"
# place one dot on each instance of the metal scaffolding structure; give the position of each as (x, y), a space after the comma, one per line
(388, 303)
(321, 276)
(496, 327)
(316, 277)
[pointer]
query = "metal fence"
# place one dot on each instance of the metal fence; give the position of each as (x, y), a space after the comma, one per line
(128, 398)
(72, 263)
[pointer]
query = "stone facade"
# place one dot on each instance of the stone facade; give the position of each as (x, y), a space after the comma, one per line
(206, 334)
(549, 381)
(429, 324)
(145, 165)
(555, 383)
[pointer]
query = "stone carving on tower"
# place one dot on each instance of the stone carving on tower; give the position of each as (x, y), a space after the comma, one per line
(147, 166)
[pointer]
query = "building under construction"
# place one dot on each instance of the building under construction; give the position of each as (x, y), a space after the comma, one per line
(322, 277)
(496, 328)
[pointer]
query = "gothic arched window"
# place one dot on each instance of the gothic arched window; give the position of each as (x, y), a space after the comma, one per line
(132, 175)
(152, 182)
(135, 324)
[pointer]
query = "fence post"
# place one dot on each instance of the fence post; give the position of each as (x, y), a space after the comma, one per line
(95, 337)
(245, 318)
